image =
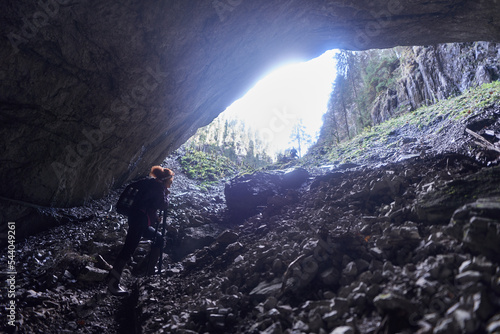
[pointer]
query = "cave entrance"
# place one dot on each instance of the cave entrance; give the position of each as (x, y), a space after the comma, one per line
(282, 111)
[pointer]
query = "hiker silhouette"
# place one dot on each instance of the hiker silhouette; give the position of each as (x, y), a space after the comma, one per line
(151, 197)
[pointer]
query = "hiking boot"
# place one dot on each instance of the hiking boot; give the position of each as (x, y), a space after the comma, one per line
(114, 279)
(114, 286)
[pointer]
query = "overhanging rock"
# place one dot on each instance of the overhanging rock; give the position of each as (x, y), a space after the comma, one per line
(95, 92)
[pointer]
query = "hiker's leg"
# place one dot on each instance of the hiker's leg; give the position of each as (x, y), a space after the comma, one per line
(134, 234)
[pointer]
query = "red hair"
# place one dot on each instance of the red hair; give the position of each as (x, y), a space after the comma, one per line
(161, 173)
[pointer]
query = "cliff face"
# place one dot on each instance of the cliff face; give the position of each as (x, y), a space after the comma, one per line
(93, 93)
(433, 73)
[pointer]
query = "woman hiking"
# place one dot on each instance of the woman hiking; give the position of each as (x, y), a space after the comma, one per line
(151, 197)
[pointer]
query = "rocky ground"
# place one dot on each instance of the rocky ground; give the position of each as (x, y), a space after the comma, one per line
(405, 240)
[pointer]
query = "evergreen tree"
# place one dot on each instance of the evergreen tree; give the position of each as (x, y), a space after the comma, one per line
(225, 135)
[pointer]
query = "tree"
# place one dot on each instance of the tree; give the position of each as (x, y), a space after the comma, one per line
(225, 134)
(217, 131)
(300, 136)
(339, 102)
(330, 126)
(233, 139)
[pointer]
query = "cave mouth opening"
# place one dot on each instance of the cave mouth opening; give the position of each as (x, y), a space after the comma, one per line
(283, 110)
(291, 98)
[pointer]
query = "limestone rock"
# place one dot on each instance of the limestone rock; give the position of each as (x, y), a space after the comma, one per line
(439, 206)
(92, 274)
(246, 195)
(267, 288)
(343, 330)
(478, 225)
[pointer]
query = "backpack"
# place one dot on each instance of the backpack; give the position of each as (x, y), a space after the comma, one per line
(129, 197)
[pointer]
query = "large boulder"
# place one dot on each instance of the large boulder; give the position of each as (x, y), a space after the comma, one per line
(438, 206)
(477, 225)
(250, 194)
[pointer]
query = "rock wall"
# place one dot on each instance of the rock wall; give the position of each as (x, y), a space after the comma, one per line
(433, 73)
(93, 93)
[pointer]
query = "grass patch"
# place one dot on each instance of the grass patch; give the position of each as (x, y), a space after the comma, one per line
(205, 167)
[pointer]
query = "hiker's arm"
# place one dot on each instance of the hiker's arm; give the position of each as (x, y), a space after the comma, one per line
(161, 201)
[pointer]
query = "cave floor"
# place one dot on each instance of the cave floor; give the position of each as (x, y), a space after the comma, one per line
(387, 214)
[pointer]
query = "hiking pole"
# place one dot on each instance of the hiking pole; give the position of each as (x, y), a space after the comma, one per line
(160, 260)
(151, 250)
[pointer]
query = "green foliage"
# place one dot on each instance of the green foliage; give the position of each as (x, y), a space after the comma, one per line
(206, 167)
(380, 74)
(221, 149)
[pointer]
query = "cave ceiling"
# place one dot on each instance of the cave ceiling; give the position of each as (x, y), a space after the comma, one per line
(95, 92)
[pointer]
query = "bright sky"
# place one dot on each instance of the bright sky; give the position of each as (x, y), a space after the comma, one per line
(296, 91)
